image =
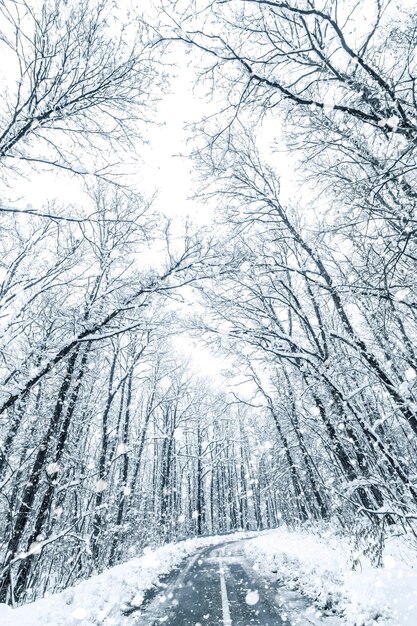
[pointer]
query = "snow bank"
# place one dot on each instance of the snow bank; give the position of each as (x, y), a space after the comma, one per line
(320, 568)
(100, 600)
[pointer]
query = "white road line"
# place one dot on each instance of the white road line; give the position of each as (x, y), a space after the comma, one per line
(227, 620)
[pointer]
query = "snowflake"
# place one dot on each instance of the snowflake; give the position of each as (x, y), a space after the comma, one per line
(122, 448)
(52, 468)
(101, 486)
(252, 598)
(410, 374)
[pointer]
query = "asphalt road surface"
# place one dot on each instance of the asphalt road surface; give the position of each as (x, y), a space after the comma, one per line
(217, 587)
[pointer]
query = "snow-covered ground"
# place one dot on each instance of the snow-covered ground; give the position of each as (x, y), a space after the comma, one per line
(318, 566)
(100, 600)
(321, 568)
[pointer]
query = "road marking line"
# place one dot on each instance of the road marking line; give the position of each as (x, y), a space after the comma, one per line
(227, 620)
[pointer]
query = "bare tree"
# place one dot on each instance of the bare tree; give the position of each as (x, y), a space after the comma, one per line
(80, 81)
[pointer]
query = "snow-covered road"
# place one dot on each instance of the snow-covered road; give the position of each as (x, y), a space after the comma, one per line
(274, 577)
(216, 587)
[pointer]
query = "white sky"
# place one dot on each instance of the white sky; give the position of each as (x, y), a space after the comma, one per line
(167, 168)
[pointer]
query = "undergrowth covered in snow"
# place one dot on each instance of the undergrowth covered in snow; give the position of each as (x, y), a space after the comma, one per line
(320, 566)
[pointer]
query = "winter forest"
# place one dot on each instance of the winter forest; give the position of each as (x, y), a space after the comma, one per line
(208, 268)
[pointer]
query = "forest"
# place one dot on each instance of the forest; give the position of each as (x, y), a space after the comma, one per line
(248, 363)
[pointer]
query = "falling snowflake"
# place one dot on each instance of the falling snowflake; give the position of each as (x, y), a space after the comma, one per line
(52, 469)
(122, 448)
(410, 374)
(101, 486)
(252, 598)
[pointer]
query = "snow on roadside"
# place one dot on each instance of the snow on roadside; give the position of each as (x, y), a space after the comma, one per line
(99, 600)
(319, 567)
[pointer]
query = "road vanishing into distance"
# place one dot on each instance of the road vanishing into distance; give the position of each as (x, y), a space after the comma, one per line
(217, 587)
